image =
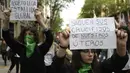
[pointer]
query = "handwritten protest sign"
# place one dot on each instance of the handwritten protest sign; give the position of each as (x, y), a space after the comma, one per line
(23, 9)
(92, 33)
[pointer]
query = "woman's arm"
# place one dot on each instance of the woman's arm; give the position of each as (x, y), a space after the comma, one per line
(119, 59)
(45, 46)
(114, 64)
(11, 42)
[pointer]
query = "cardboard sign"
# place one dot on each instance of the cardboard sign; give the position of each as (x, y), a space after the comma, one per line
(92, 33)
(23, 9)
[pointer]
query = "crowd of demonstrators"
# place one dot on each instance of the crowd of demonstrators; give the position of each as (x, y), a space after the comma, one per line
(3, 47)
(49, 56)
(14, 57)
(85, 61)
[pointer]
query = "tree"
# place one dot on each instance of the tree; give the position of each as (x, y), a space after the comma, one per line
(55, 7)
(57, 24)
(103, 7)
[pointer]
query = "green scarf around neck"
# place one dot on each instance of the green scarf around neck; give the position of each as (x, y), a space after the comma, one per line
(30, 45)
(85, 68)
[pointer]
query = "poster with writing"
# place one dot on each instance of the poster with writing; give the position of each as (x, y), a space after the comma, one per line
(23, 9)
(92, 33)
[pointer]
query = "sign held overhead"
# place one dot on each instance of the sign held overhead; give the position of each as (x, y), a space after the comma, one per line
(23, 9)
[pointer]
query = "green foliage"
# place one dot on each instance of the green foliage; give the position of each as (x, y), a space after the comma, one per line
(109, 7)
(57, 24)
(55, 7)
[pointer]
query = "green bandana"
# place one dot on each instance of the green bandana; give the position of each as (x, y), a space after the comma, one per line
(30, 45)
(85, 68)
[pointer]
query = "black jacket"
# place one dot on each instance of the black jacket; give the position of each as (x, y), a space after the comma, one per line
(113, 64)
(34, 64)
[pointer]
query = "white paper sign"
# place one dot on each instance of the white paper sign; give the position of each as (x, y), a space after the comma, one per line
(92, 33)
(23, 9)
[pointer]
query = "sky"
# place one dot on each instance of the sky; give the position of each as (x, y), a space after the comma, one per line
(71, 12)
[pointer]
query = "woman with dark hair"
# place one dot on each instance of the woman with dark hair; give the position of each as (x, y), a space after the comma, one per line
(79, 57)
(85, 61)
(31, 55)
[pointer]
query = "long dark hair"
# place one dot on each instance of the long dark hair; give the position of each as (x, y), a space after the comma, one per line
(28, 28)
(77, 62)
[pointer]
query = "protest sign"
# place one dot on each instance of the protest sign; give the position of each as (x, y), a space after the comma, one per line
(92, 33)
(23, 9)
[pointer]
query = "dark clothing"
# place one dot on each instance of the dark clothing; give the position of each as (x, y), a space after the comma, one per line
(48, 69)
(14, 61)
(113, 64)
(4, 57)
(34, 64)
(124, 71)
(3, 48)
(54, 67)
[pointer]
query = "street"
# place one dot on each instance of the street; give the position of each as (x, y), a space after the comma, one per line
(4, 69)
